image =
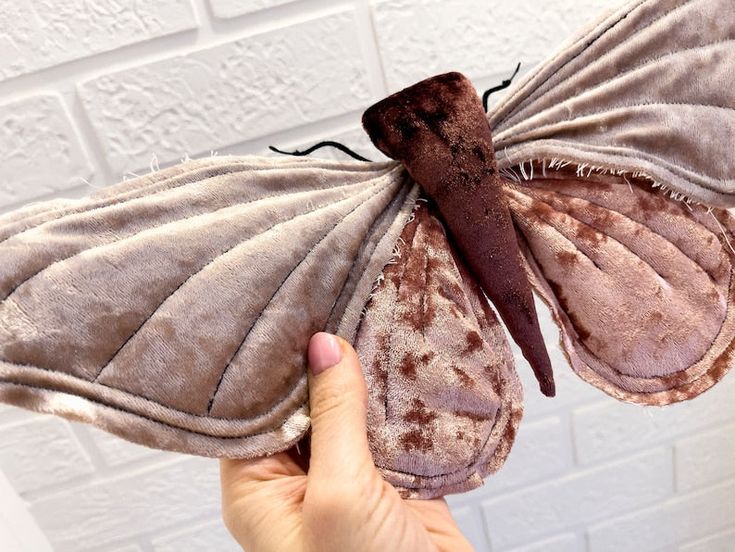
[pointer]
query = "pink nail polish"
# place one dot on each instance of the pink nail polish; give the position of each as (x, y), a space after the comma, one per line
(324, 352)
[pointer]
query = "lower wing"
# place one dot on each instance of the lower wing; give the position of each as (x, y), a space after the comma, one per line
(640, 285)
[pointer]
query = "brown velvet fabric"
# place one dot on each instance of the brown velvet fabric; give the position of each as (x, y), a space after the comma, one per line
(445, 401)
(648, 89)
(437, 129)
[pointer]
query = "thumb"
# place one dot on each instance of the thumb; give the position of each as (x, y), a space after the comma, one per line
(338, 404)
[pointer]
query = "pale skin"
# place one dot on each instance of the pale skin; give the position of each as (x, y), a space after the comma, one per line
(341, 502)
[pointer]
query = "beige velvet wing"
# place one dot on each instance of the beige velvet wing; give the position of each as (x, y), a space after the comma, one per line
(647, 90)
(175, 309)
(641, 286)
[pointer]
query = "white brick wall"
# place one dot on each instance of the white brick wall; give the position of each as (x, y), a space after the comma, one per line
(92, 90)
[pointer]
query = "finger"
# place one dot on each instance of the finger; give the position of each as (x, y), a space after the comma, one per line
(436, 517)
(260, 496)
(338, 403)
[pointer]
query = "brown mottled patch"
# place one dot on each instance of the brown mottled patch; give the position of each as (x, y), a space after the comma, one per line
(460, 435)
(419, 414)
(415, 440)
(455, 294)
(408, 366)
(470, 415)
(566, 258)
(464, 378)
(582, 332)
(474, 341)
(427, 357)
(589, 234)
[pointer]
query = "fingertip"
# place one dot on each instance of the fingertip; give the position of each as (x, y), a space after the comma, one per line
(324, 352)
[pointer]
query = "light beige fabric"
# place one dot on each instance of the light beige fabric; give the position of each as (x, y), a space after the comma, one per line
(648, 90)
(175, 309)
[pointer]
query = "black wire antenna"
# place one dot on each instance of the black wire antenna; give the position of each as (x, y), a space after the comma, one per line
(344, 149)
(326, 143)
(505, 84)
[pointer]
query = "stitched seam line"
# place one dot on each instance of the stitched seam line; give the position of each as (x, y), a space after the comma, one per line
(621, 17)
(644, 225)
(184, 177)
(177, 221)
(656, 379)
(159, 422)
(118, 199)
(213, 260)
(520, 109)
(280, 286)
(645, 64)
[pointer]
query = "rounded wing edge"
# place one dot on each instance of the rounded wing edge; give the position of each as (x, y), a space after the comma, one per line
(617, 98)
(155, 425)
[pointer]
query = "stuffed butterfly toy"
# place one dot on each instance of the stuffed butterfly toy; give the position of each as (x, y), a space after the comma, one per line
(174, 310)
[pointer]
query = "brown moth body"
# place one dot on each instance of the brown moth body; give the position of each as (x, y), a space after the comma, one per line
(438, 130)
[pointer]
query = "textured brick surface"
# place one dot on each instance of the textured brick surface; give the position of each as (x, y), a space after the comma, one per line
(484, 38)
(35, 35)
(561, 543)
(153, 499)
(40, 151)
(586, 474)
(662, 526)
(116, 452)
(41, 452)
(233, 8)
(238, 91)
(720, 542)
(611, 429)
(704, 459)
(578, 498)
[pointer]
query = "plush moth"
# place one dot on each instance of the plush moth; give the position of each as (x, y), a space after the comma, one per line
(174, 310)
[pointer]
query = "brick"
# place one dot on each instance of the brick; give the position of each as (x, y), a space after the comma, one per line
(230, 93)
(41, 452)
(117, 452)
(665, 525)
(579, 498)
(542, 450)
(40, 152)
(234, 8)
(152, 500)
(37, 35)
(610, 429)
(483, 39)
(721, 542)
(567, 542)
(705, 458)
(208, 536)
(469, 521)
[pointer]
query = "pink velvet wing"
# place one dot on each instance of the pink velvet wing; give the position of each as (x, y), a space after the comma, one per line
(444, 399)
(640, 285)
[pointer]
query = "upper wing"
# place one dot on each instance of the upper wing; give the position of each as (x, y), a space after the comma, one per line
(175, 309)
(444, 399)
(641, 286)
(649, 90)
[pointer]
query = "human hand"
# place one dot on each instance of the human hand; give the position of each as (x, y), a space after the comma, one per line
(341, 503)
